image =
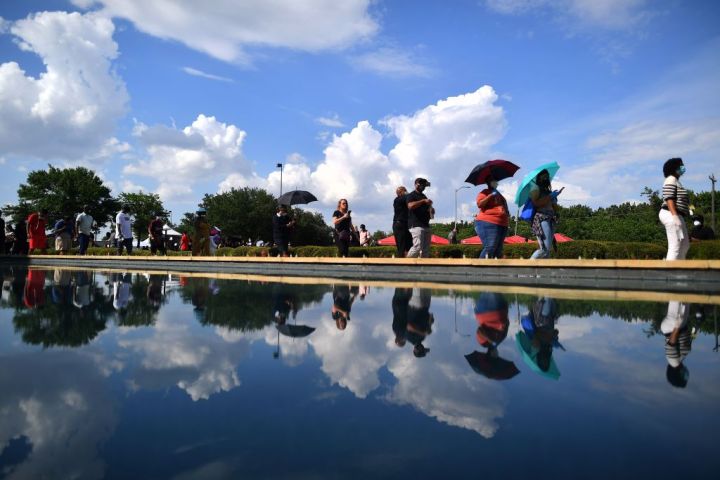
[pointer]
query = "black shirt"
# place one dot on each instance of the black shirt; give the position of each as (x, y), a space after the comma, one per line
(401, 210)
(420, 216)
(280, 227)
(343, 224)
(2, 228)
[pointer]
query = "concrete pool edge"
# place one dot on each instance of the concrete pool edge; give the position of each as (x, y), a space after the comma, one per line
(686, 276)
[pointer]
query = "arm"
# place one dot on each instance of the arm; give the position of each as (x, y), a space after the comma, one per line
(538, 201)
(419, 203)
(337, 220)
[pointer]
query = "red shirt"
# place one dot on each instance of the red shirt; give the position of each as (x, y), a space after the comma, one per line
(184, 242)
(36, 226)
(494, 210)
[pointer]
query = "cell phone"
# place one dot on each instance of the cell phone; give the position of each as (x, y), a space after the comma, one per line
(349, 212)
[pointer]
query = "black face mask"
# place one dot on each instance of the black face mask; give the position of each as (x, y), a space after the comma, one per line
(543, 181)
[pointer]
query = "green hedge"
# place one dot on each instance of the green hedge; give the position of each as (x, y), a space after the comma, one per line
(577, 249)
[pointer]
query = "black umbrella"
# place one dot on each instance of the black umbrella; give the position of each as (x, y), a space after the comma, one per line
(498, 169)
(295, 330)
(491, 366)
(295, 197)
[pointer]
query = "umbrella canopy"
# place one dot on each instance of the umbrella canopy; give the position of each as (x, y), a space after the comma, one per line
(435, 240)
(523, 191)
(471, 241)
(295, 197)
(560, 238)
(295, 330)
(498, 169)
(529, 354)
(492, 367)
(515, 239)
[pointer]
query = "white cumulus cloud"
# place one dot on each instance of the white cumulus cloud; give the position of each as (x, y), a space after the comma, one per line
(69, 111)
(391, 62)
(226, 29)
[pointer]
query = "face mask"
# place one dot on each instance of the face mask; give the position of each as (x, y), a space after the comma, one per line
(493, 184)
(681, 170)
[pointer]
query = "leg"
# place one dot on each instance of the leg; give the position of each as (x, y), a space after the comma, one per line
(544, 243)
(416, 248)
(400, 240)
(502, 233)
(129, 245)
(425, 245)
(153, 246)
(480, 230)
(491, 235)
(673, 233)
(685, 242)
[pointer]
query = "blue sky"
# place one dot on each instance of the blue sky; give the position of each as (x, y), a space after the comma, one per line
(356, 97)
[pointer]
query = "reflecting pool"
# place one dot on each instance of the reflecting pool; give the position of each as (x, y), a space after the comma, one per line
(144, 375)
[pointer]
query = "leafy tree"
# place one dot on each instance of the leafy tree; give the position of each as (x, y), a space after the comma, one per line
(310, 229)
(242, 213)
(187, 224)
(63, 192)
(143, 207)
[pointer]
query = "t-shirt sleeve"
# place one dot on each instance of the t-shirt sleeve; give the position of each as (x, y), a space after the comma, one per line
(337, 214)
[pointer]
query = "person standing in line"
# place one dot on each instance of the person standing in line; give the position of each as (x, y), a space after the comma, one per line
(155, 232)
(201, 240)
(123, 230)
(419, 219)
(453, 236)
(184, 242)
(282, 224)
(83, 228)
(343, 227)
(364, 236)
(675, 207)
(543, 223)
(492, 220)
(20, 244)
(403, 241)
(63, 235)
(2, 235)
(36, 224)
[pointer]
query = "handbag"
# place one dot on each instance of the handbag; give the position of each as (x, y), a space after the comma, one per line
(528, 211)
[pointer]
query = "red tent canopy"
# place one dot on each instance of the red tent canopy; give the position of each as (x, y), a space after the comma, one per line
(435, 240)
(560, 238)
(515, 239)
(476, 240)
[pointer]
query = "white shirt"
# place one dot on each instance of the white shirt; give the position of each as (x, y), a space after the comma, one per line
(84, 222)
(123, 226)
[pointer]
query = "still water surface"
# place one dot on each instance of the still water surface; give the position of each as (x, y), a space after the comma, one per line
(127, 375)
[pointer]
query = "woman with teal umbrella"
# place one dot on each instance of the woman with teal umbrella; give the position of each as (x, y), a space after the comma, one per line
(536, 186)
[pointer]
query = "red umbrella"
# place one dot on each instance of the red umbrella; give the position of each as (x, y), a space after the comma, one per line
(560, 238)
(515, 239)
(499, 169)
(435, 240)
(471, 241)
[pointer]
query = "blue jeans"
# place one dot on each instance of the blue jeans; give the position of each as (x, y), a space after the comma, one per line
(545, 243)
(492, 237)
(84, 242)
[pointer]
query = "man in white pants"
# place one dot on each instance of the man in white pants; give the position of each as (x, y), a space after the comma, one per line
(419, 219)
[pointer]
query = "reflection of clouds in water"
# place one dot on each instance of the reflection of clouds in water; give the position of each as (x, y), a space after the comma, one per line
(200, 361)
(292, 350)
(59, 402)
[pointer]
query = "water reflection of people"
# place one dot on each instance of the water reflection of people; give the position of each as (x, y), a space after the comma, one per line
(491, 313)
(419, 321)
(121, 291)
(81, 292)
(155, 290)
(678, 342)
(400, 302)
(283, 303)
(343, 298)
(34, 294)
(539, 337)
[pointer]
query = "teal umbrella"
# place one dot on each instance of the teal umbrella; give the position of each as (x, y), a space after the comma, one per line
(529, 355)
(523, 192)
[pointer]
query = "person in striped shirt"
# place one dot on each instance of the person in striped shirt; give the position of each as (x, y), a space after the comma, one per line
(675, 208)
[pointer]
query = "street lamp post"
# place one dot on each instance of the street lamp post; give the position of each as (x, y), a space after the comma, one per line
(280, 166)
(457, 190)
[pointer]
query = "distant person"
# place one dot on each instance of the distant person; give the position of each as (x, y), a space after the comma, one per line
(282, 226)
(123, 230)
(2, 234)
(63, 235)
(700, 231)
(678, 342)
(83, 228)
(20, 243)
(419, 213)
(201, 239)
(492, 220)
(544, 198)
(403, 240)
(156, 234)
(343, 227)
(184, 242)
(36, 225)
(453, 236)
(364, 236)
(675, 208)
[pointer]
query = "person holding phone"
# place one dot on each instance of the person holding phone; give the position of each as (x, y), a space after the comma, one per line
(544, 198)
(343, 227)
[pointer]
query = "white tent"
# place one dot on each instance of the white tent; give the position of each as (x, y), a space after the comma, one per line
(168, 231)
